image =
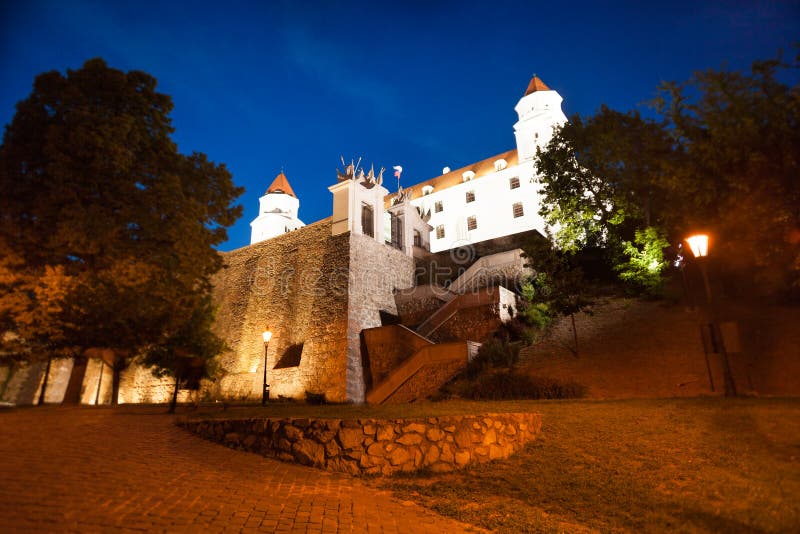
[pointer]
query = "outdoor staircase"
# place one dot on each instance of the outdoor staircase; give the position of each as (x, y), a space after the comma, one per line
(475, 276)
(432, 354)
(399, 355)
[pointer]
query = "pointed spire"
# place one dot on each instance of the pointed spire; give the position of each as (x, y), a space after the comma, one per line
(280, 185)
(536, 85)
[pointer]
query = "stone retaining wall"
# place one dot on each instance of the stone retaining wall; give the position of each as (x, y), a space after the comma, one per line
(371, 446)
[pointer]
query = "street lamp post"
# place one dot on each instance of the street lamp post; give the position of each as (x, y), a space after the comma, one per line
(699, 245)
(267, 335)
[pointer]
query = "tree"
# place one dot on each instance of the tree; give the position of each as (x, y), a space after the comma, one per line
(187, 353)
(722, 158)
(738, 137)
(106, 230)
(558, 282)
(601, 179)
(645, 261)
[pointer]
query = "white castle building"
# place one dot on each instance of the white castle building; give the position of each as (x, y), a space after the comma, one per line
(491, 198)
(277, 213)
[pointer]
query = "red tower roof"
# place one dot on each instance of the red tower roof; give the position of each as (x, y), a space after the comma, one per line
(281, 185)
(536, 85)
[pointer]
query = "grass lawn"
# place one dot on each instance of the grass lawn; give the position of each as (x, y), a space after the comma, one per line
(644, 465)
(685, 465)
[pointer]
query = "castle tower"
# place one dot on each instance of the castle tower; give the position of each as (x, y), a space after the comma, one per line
(277, 213)
(539, 112)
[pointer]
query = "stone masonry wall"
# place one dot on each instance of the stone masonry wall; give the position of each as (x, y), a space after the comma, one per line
(426, 382)
(296, 286)
(371, 446)
(376, 271)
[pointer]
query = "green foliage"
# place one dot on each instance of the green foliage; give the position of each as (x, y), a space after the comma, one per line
(738, 136)
(720, 158)
(599, 178)
(646, 262)
(532, 313)
(493, 353)
(558, 282)
(508, 385)
(107, 232)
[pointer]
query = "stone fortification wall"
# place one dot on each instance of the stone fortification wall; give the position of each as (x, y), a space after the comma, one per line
(295, 285)
(21, 383)
(371, 446)
(376, 272)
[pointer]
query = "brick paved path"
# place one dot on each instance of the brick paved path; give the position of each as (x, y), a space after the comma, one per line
(101, 469)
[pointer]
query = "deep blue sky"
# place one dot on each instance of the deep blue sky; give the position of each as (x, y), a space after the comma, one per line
(262, 86)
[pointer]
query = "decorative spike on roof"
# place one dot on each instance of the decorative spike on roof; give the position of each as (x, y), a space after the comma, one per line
(280, 185)
(536, 85)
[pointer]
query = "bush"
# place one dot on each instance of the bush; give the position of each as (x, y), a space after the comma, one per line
(508, 385)
(493, 353)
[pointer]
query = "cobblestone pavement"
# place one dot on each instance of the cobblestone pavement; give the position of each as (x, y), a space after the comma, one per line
(89, 469)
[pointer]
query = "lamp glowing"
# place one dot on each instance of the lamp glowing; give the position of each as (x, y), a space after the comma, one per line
(699, 245)
(267, 336)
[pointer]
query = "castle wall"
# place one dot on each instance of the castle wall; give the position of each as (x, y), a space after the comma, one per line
(294, 285)
(376, 271)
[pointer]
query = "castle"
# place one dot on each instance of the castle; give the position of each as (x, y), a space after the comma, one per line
(380, 302)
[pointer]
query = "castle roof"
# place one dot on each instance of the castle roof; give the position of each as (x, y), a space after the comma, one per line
(281, 185)
(536, 85)
(455, 177)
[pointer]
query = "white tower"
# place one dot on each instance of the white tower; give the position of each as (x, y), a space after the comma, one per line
(277, 213)
(539, 112)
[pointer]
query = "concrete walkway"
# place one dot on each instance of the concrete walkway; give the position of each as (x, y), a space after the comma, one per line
(89, 469)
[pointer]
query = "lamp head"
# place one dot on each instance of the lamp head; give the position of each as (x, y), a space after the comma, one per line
(267, 336)
(699, 245)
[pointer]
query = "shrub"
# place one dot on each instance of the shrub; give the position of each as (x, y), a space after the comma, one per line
(493, 353)
(508, 385)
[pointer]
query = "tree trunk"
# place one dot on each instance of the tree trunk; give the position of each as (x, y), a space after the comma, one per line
(44, 383)
(99, 382)
(574, 335)
(117, 371)
(174, 401)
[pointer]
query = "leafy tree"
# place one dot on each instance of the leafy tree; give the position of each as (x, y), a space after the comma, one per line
(106, 230)
(738, 138)
(601, 178)
(558, 282)
(645, 261)
(721, 158)
(187, 353)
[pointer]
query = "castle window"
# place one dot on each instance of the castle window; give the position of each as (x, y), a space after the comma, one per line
(291, 357)
(437, 207)
(440, 231)
(470, 196)
(427, 190)
(472, 223)
(513, 183)
(367, 220)
(396, 231)
(467, 176)
(417, 238)
(518, 211)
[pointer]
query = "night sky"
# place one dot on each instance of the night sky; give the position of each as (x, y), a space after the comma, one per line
(264, 86)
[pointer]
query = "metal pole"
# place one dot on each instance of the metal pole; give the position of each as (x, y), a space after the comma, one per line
(265, 390)
(716, 333)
